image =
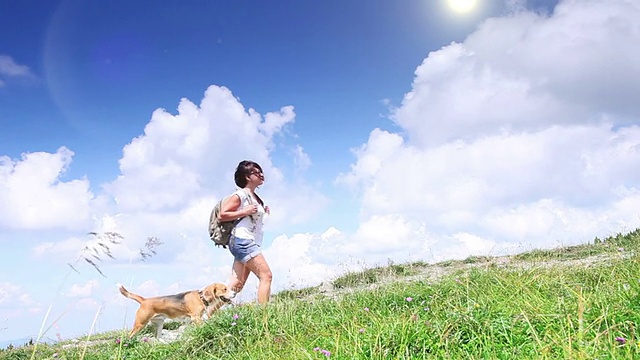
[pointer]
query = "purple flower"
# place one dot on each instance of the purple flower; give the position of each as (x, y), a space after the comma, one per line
(621, 340)
(316, 348)
(117, 341)
(145, 339)
(366, 309)
(361, 330)
(235, 316)
(409, 299)
(326, 353)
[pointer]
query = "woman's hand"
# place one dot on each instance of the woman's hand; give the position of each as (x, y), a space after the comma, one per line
(250, 209)
(267, 210)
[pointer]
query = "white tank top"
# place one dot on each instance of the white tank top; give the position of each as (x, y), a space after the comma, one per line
(250, 227)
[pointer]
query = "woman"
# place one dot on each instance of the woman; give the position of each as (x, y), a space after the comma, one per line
(246, 241)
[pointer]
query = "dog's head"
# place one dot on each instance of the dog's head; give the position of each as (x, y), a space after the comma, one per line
(217, 291)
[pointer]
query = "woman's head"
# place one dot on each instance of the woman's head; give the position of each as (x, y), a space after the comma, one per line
(245, 170)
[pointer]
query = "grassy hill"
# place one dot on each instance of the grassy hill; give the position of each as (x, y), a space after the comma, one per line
(578, 302)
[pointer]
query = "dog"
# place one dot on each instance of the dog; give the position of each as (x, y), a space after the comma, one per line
(191, 304)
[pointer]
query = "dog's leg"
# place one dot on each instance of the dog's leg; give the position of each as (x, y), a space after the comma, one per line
(142, 318)
(158, 322)
(136, 327)
(213, 308)
(196, 316)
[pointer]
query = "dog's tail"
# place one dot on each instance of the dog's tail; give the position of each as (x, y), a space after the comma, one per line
(130, 295)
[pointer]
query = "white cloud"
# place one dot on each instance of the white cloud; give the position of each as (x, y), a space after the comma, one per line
(293, 260)
(523, 134)
(300, 158)
(194, 153)
(183, 163)
(527, 72)
(8, 67)
(33, 196)
(171, 176)
(83, 290)
(12, 295)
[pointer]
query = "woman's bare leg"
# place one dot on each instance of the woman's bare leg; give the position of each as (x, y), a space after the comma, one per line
(258, 265)
(239, 275)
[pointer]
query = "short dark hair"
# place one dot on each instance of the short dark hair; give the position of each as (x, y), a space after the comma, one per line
(243, 171)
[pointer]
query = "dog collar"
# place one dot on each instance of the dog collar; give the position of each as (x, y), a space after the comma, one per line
(206, 303)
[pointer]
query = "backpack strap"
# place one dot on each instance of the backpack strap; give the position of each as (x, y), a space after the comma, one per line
(251, 202)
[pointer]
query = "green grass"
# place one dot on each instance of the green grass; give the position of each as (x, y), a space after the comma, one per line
(372, 276)
(488, 312)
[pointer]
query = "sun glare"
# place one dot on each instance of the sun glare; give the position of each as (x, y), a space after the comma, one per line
(462, 6)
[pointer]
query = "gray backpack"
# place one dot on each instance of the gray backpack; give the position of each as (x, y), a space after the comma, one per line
(220, 231)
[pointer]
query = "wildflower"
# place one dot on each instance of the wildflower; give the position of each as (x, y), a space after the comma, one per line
(235, 316)
(620, 249)
(366, 309)
(117, 341)
(621, 340)
(361, 330)
(422, 302)
(326, 353)
(409, 299)
(233, 323)
(55, 355)
(316, 348)
(145, 339)
(426, 309)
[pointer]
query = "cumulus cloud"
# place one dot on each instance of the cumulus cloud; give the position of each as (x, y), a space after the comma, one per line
(33, 195)
(83, 290)
(9, 68)
(12, 295)
(184, 163)
(301, 266)
(170, 177)
(523, 134)
(526, 72)
(300, 158)
(194, 153)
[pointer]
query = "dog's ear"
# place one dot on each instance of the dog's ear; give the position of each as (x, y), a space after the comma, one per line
(207, 294)
(216, 290)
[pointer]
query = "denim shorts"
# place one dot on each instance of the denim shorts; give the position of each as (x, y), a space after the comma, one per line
(243, 250)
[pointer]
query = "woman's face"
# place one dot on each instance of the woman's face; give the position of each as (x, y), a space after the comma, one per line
(256, 177)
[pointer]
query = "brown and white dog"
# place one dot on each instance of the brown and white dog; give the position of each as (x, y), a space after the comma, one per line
(191, 304)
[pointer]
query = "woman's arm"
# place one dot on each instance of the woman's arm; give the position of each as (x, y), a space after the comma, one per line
(231, 210)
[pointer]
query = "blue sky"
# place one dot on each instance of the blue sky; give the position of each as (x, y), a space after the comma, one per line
(399, 131)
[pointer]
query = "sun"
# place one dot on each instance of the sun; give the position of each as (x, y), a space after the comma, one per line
(462, 6)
